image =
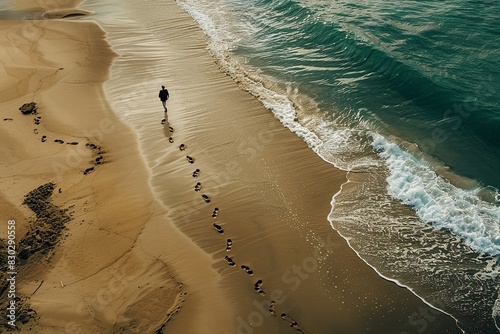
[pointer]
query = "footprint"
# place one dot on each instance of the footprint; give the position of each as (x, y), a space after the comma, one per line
(196, 173)
(88, 170)
(216, 211)
(182, 147)
(247, 270)
(170, 139)
(35, 131)
(197, 187)
(229, 261)
(99, 159)
(293, 323)
(229, 245)
(218, 228)
(92, 146)
(206, 198)
(59, 141)
(284, 316)
(8, 119)
(171, 129)
(44, 139)
(257, 287)
(190, 159)
(163, 121)
(272, 307)
(72, 143)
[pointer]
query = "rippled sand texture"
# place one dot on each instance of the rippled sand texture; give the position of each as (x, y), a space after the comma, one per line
(214, 222)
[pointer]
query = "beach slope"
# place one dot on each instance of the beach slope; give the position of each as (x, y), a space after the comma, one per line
(215, 222)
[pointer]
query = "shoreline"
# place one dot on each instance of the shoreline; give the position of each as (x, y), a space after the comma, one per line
(161, 236)
(389, 279)
(201, 42)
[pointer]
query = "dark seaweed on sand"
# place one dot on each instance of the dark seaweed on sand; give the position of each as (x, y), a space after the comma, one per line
(43, 234)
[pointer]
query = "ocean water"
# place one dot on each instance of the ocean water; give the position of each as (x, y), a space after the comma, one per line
(405, 96)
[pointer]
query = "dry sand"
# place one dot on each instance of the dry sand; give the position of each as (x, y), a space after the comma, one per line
(143, 252)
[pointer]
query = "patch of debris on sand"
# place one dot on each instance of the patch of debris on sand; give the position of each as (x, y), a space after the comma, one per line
(43, 234)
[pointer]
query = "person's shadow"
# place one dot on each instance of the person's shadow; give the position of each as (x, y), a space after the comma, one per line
(166, 128)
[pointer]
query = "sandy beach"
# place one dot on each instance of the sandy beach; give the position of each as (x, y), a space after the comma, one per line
(227, 233)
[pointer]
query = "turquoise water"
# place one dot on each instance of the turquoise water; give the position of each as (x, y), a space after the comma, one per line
(423, 71)
(406, 92)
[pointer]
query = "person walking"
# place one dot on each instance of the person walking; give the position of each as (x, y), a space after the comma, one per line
(163, 95)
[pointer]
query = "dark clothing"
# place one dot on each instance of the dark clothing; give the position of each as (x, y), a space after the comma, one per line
(163, 95)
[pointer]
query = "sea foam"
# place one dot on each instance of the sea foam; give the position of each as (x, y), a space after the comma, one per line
(438, 202)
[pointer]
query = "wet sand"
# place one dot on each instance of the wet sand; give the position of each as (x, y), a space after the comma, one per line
(227, 233)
